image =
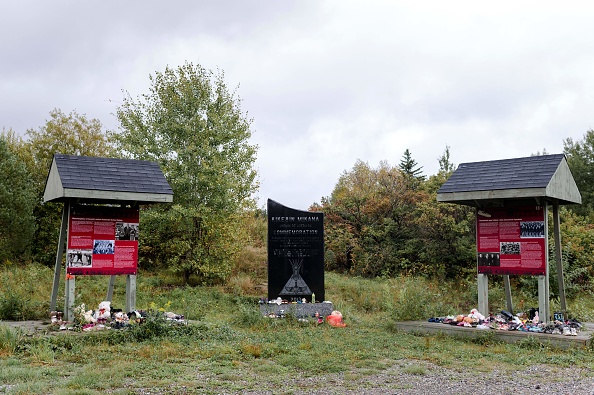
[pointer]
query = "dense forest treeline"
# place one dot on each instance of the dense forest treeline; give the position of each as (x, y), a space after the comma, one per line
(381, 221)
(386, 221)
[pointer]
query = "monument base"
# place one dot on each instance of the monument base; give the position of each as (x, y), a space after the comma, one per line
(298, 310)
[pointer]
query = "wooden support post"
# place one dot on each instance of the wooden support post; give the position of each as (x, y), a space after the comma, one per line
(59, 254)
(69, 297)
(543, 303)
(130, 293)
(110, 288)
(508, 295)
(483, 294)
(558, 260)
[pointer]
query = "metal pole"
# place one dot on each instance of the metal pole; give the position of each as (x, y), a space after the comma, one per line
(543, 281)
(508, 295)
(112, 280)
(483, 294)
(58, 265)
(130, 293)
(69, 297)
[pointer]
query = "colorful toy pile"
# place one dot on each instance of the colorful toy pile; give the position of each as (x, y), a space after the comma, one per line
(505, 321)
(104, 317)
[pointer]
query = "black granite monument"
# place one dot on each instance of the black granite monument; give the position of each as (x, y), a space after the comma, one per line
(295, 253)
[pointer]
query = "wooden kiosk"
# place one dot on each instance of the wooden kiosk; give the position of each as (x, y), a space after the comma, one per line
(512, 198)
(100, 218)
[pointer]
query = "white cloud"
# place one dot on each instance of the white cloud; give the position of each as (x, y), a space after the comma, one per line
(326, 82)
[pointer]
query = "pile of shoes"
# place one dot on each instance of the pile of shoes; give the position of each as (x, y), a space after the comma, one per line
(506, 321)
(473, 319)
(566, 328)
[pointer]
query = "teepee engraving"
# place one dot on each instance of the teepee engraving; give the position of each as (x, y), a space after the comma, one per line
(296, 285)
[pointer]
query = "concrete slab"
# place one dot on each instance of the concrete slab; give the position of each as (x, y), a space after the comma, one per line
(582, 340)
(28, 326)
(299, 310)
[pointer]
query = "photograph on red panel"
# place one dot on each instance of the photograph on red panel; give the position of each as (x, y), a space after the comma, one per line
(79, 258)
(126, 231)
(103, 247)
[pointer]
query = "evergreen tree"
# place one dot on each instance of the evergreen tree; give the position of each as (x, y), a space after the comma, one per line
(446, 167)
(580, 158)
(412, 172)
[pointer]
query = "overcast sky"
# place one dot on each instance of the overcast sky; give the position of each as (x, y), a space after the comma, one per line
(326, 82)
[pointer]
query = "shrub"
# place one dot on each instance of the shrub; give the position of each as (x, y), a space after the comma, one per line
(10, 340)
(14, 308)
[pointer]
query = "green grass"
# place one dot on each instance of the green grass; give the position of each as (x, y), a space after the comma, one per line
(228, 335)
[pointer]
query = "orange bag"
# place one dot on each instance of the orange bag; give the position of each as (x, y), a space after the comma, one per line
(335, 319)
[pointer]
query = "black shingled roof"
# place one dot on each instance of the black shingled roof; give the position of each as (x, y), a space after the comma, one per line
(109, 174)
(519, 173)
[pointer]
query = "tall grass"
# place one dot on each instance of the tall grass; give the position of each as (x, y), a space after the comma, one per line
(10, 339)
(230, 335)
(408, 298)
(24, 295)
(26, 292)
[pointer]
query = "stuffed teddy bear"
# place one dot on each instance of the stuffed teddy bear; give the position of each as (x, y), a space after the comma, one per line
(84, 316)
(121, 317)
(121, 320)
(103, 313)
(474, 313)
(56, 316)
(89, 317)
(536, 319)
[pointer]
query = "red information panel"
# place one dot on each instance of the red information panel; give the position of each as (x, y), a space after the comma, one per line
(102, 240)
(511, 241)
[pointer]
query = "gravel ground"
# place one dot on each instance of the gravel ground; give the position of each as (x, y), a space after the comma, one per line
(438, 380)
(414, 377)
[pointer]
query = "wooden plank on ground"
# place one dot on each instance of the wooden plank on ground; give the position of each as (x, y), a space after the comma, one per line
(582, 340)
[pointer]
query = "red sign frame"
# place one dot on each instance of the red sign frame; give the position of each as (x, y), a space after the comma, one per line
(102, 240)
(511, 241)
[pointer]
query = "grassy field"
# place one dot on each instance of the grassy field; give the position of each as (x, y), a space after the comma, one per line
(230, 348)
